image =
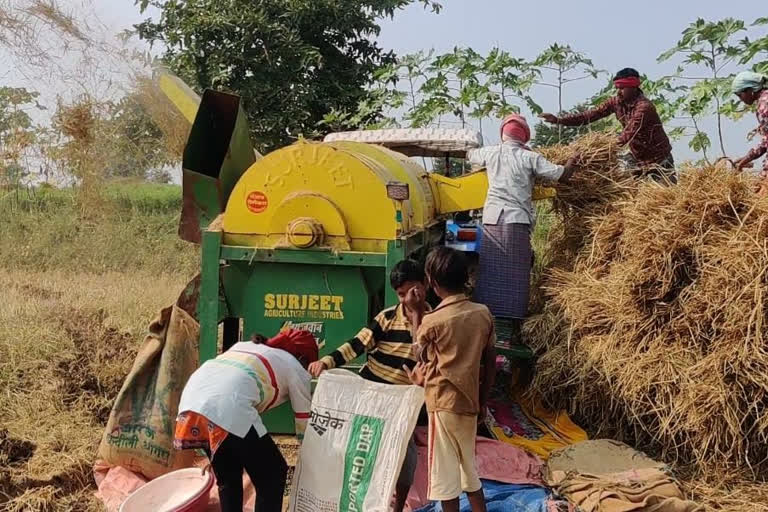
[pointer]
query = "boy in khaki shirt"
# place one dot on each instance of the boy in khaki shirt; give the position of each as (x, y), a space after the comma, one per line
(452, 342)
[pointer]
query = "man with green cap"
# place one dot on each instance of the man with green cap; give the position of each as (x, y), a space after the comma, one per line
(752, 88)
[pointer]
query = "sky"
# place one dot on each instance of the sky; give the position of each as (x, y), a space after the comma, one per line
(613, 34)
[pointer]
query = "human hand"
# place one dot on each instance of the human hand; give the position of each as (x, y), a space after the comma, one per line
(742, 163)
(416, 376)
(550, 118)
(575, 158)
(415, 299)
(316, 368)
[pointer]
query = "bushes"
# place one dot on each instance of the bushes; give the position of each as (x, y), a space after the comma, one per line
(133, 228)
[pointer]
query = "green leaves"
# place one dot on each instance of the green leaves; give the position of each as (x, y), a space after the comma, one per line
(700, 142)
(460, 85)
(563, 58)
(709, 51)
(702, 37)
(294, 62)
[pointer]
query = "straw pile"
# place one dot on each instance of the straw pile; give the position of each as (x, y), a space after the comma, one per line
(654, 332)
(174, 127)
(592, 191)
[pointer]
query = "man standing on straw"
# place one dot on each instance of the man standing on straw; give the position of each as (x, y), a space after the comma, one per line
(752, 88)
(650, 153)
(508, 219)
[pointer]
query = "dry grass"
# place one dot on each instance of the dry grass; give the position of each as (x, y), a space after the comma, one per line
(653, 319)
(732, 492)
(77, 120)
(592, 191)
(68, 341)
(39, 32)
(656, 334)
(172, 124)
(50, 12)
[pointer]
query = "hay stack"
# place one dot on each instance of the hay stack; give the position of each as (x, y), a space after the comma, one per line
(593, 190)
(656, 332)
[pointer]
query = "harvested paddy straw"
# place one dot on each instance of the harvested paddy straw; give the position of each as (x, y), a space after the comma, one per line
(655, 333)
(593, 190)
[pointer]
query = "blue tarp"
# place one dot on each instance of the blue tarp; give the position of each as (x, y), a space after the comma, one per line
(504, 498)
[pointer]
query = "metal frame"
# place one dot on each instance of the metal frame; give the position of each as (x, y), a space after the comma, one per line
(214, 253)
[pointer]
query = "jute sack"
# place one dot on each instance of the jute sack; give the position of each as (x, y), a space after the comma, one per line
(139, 433)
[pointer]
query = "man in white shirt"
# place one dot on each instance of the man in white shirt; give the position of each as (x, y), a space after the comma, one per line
(508, 219)
(220, 411)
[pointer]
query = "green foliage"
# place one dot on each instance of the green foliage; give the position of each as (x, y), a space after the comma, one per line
(17, 132)
(293, 61)
(560, 65)
(42, 229)
(13, 102)
(137, 144)
(713, 47)
(460, 86)
(456, 166)
(547, 134)
(756, 50)
(556, 67)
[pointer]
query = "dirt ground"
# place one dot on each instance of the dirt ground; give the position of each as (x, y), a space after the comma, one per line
(67, 342)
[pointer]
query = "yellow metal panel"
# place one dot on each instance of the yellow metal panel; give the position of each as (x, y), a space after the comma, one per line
(180, 94)
(309, 205)
(460, 194)
(422, 203)
(356, 189)
(468, 192)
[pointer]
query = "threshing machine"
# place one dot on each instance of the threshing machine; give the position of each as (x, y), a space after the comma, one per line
(306, 235)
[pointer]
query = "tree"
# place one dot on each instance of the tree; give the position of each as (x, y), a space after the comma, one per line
(292, 61)
(137, 148)
(711, 46)
(17, 132)
(567, 65)
(461, 87)
(756, 50)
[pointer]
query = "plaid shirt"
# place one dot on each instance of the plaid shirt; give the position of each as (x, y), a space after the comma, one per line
(643, 130)
(762, 130)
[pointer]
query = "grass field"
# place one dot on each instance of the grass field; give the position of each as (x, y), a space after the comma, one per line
(79, 289)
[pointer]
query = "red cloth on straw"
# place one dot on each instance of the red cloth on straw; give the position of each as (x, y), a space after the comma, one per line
(515, 126)
(296, 342)
(624, 83)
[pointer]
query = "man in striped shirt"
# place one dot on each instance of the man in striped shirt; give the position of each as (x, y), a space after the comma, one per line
(388, 342)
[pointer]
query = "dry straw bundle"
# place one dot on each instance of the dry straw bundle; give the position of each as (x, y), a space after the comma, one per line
(593, 190)
(172, 124)
(655, 331)
(77, 120)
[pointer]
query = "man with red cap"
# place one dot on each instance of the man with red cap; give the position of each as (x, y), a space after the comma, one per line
(650, 152)
(508, 219)
(220, 412)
